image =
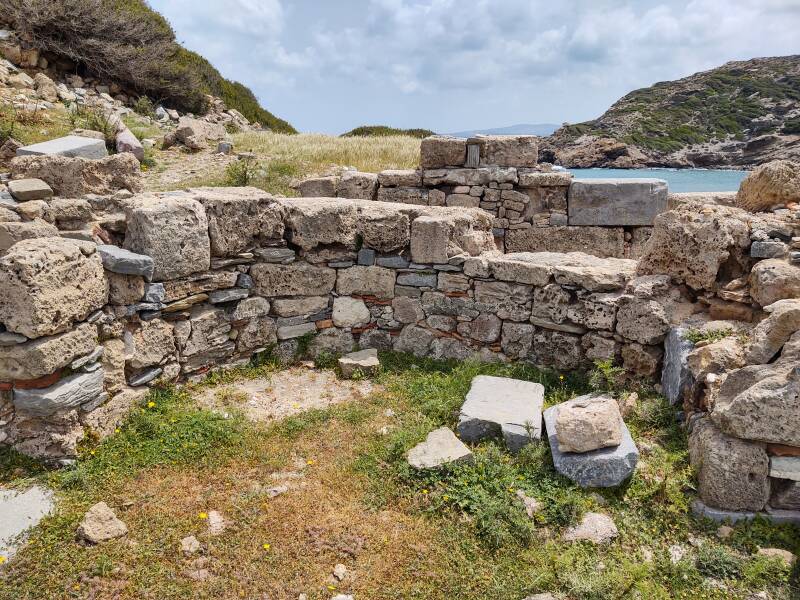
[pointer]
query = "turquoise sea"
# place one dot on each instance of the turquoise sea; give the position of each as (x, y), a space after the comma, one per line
(679, 180)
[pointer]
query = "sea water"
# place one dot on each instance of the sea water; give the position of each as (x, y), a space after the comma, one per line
(679, 180)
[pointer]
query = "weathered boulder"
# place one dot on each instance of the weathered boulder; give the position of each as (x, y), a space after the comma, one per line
(259, 332)
(502, 407)
(298, 279)
(295, 307)
(777, 182)
(606, 467)
(127, 142)
(382, 227)
(769, 336)
(414, 340)
(331, 341)
(588, 423)
(357, 185)
(24, 190)
(508, 150)
(321, 221)
(774, 279)
(239, 218)
(66, 394)
(692, 246)
(364, 362)
(318, 187)
(48, 284)
(45, 87)
(12, 232)
(173, 231)
(100, 524)
(440, 448)
(37, 358)
(717, 357)
(594, 527)
(77, 177)
(733, 474)
(605, 242)
(442, 151)
(195, 134)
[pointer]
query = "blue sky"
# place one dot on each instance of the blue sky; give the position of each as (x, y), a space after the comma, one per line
(448, 65)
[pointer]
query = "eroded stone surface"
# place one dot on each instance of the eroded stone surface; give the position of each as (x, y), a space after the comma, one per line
(440, 448)
(588, 423)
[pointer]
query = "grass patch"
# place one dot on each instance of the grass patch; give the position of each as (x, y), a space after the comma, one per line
(383, 131)
(697, 335)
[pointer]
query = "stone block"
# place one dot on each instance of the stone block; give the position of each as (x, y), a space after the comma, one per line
(785, 467)
(150, 344)
(48, 284)
(296, 279)
(125, 262)
(258, 332)
(537, 179)
(400, 178)
(607, 467)
(68, 393)
(774, 279)
(321, 221)
(173, 231)
(605, 242)
(366, 281)
(13, 232)
(358, 186)
(71, 146)
(504, 408)
(509, 150)
(318, 187)
(441, 447)
(616, 202)
(442, 151)
(383, 227)
(293, 307)
(124, 290)
(430, 238)
(41, 357)
(24, 190)
(350, 312)
(588, 423)
(404, 195)
(289, 332)
(365, 362)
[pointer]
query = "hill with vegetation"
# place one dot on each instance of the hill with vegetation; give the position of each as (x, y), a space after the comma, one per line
(383, 131)
(740, 114)
(129, 43)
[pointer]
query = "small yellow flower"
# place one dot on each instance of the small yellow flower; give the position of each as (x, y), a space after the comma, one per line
(3, 559)
(202, 516)
(266, 546)
(424, 491)
(117, 430)
(309, 462)
(91, 452)
(331, 587)
(511, 489)
(151, 404)
(561, 377)
(446, 497)
(295, 405)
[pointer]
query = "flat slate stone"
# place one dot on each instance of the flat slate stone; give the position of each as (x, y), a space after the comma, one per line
(502, 407)
(125, 262)
(25, 190)
(676, 378)
(785, 467)
(229, 295)
(441, 447)
(67, 393)
(775, 516)
(606, 467)
(73, 146)
(616, 202)
(20, 511)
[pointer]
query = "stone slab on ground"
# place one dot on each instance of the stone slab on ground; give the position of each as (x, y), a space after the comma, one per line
(502, 407)
(364, 361)
(607, 467)
(775, 516)
(73, 146)
(440, 448)
(25, 190)
(20, 511)
(616, 202)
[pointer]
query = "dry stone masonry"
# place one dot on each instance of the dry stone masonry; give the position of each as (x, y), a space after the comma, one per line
(534, 208)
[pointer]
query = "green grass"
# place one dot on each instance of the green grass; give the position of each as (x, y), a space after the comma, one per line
(696, 335)
(460, 532)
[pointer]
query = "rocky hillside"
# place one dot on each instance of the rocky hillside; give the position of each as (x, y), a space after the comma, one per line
(738, 115)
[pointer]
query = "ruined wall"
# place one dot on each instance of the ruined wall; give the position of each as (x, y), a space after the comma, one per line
(192, 280)
(534, 208)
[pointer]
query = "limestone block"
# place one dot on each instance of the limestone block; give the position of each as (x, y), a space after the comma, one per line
(430, 238)
(100, 524)
(774, 279)
(173, 231)
(403, 195)
(239, 218)
(438, 177)
(294, 307)
(769, 336)
(358, 186)
(297, 279)
(151, 343)
(209, 341)
(691, 246)
(195, 134)
(733, 474)
(606, 467)
(71, 146)
(124, 289)
(366, 281)
(66, 394)
(24, 190)
(441, 447)
(119, 260)
(259, 332)
(641, 361)
(321, 221)
(350, 312)
(383, 227)
(604, 242)
(365, 362)
(200, 283)
(37, 358)
(595, 311)
(442, 151)
(517, 340)
(616, 202)
(558, 349)
(414, 340)
(331, 341)
(48, 284)
(12, 232)
(486, 328)
(551, 302)
(588, 423)
(509, 150)
(642, 320)
(785, 495)
(537, 179)
(400, 178)
(592, 273)
(502, 407)
(318, 187)
(407, 310)
(113, 360)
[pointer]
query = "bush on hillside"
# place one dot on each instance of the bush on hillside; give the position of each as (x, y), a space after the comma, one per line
(128, 42)
(383, 130)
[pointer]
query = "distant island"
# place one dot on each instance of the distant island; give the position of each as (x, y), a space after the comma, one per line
(735, 116)
(541, 129)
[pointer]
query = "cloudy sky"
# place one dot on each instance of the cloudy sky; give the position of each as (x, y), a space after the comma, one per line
(448, 65)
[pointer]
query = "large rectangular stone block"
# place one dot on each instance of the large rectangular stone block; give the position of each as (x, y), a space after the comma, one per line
(298, 279)
(616, 202)
(430, 237)
(442, 151)
(72, 146)
(508, 150)
(605, 242)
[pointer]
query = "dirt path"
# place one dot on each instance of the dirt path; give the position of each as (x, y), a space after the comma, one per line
(176, 168)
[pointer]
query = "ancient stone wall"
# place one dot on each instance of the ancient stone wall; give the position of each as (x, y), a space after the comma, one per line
(534, 208)
(193, 280)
